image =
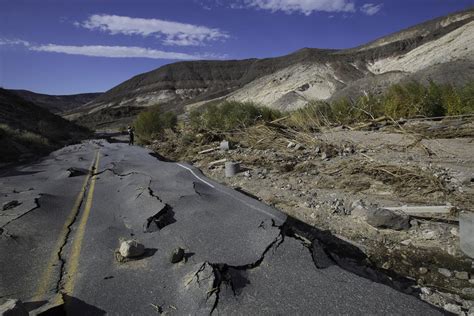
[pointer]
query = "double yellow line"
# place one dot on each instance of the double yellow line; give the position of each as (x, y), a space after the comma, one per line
(73, 261)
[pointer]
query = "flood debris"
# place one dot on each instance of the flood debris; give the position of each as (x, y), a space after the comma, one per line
(415, 210)
(427, 171)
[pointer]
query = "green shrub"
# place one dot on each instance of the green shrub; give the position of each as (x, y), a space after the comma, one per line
(152, 122)
(230, 115)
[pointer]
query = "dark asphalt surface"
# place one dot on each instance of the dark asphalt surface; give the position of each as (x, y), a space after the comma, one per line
(240, 258)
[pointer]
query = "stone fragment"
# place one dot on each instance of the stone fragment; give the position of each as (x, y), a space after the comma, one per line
(461, 275)
(291, 145)
(177, 255)
(445, 272)
(429, 234)
(453, 308)
(13, 308)
(423, 270)
(131, 249)
(382, 218)
(359, 209)
(468, 291)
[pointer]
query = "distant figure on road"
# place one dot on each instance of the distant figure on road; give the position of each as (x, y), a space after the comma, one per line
(131, 135)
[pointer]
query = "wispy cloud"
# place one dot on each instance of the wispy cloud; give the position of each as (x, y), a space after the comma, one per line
(303, 6)
(5, 41)
(306, 7)
(171, 33)
(371, 8)
(110, 51)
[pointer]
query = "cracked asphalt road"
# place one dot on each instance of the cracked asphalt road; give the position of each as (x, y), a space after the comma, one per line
(58, 244)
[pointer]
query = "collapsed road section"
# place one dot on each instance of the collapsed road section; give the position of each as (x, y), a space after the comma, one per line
(187, 245)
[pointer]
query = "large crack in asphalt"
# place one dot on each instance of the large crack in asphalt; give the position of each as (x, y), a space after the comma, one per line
(323, 256)
(61, 257)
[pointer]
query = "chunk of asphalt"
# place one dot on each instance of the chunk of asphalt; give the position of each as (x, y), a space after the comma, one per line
(10, 205)
(177, 255)
(160, 220)
(13, 308)
(320, 257)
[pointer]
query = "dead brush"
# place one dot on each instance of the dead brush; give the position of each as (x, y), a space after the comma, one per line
(404, 181)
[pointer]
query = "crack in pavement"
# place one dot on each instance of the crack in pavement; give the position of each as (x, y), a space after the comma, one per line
(37, 206)
(62, 260)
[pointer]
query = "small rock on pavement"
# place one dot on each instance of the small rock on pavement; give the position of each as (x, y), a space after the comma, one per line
(445, 272)
(13, 308)
(453, 308)
(382, 218)
(463, 275)
(131, 249)
(177, 255)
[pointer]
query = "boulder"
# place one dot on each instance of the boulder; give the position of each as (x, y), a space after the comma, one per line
(382, 218)
(131, 249)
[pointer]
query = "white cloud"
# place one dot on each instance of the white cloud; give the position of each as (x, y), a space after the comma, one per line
(4, 41)
(371, 8)
(171, 33)
(109, 51)
(115, 51)
(302, 6)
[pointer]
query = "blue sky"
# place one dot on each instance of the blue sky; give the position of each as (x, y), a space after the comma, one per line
(75, 46)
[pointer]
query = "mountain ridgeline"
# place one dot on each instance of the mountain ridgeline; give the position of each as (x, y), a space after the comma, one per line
(441, 50)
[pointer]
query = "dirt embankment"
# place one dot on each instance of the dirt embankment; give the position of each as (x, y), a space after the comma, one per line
(335, 179)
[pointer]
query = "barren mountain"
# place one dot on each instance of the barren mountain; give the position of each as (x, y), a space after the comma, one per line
(27, 130)
(57, 103)
(441, 49)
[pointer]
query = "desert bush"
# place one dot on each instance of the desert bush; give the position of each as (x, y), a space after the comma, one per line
(231, 115)
(152, 122)
(313, 115)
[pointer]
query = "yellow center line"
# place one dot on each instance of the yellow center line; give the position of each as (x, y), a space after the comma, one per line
(45, 281)
(79, 237)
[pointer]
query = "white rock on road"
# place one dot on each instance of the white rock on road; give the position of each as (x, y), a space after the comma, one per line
(131, 248)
